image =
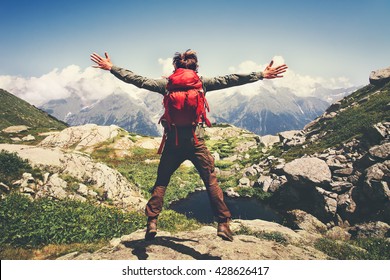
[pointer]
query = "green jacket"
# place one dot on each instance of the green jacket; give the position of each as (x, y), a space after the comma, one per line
(209, 84)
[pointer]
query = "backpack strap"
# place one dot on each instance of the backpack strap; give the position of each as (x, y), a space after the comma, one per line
(162, 145)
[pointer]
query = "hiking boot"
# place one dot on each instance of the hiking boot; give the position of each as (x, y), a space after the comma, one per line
(151, 229)
(224, 231)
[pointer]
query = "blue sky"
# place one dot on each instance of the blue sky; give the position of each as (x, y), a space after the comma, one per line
(317, 38)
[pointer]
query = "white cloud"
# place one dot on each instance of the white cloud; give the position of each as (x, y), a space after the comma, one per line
(278, 60)
(167, 67)
(92, 83)
(301, 85)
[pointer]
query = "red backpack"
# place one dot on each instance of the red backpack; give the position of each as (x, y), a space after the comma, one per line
(185, 103)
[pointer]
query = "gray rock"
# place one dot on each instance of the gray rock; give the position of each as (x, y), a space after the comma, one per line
(302, 220)
(15, 129)
(277, 183)
(334, 107)
(81, 137)
(4, 187)
(269, 140)
(203, 243)
(335, 162)
(55, 188)
(230, 192)
(381, 151)
(244, 182)
(340, 186)
(376, 181)
(83, 189)
(80, 166)
(380, 77)
(345, 204)
(250, 171)
(28, 138)
(373, 229)
(343, 171)
(216, 156)
(264, 182)
(378, 171)
(326, 203)
(309, 170)
(383, 129)
(292, 138)
(338, 233)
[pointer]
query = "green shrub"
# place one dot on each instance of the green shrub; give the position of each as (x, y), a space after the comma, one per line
(12, 167)
(223, 164)
(257, 193)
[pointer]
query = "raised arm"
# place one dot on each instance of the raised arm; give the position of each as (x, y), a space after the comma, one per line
(232, 80)
(156, 85)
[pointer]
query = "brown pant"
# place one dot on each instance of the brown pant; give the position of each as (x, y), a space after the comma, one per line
(203, 161)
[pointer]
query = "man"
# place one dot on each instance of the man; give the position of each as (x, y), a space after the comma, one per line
(186, 142)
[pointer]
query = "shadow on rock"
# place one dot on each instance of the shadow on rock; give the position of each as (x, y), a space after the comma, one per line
(139, 247)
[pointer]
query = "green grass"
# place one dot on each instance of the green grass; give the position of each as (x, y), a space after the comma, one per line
(224, 147)
(359, 249)
(27, 223)
(32, 224)
(271, 236)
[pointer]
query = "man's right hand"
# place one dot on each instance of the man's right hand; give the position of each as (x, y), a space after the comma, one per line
(102, 63)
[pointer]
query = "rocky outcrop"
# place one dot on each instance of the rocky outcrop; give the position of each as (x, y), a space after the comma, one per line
(269, 140)
(104, 184)
(291, 138)
(81, 137)
(254, 240)
(380, 77)
(339, 185)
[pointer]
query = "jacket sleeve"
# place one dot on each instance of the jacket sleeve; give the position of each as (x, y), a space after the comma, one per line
(231, 80)
(156, 85)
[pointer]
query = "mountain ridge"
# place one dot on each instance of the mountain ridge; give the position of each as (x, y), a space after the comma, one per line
(143, 111)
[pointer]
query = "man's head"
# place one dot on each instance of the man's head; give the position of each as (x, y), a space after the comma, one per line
(187, 60)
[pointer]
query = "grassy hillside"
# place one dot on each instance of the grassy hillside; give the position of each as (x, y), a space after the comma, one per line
(15, 111)
(355, 119)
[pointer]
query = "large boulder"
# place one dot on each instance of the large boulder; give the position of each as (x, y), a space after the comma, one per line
(15, 129)
(313, 171)
(81, 137)
(269, 140)
(381, 152)
(377, 180)
(301, 220)
(380, 77)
